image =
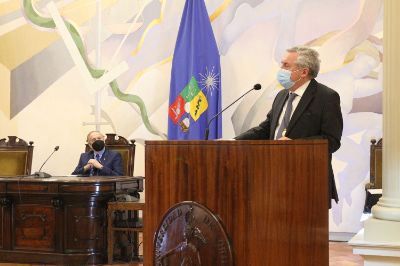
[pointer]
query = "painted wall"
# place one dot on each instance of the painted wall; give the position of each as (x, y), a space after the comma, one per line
(45, 97)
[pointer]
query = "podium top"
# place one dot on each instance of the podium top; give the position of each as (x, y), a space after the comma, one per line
(238, 142)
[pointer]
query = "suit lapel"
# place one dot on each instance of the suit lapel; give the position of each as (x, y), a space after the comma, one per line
(104, 157)
(276, 112)
(304, 102)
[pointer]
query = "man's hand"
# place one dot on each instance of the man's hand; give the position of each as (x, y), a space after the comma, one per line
(284, 138)
(95, 164)
(87, 167)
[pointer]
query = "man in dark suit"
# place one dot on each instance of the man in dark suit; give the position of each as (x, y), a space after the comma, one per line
(99, 161)
(305, 109)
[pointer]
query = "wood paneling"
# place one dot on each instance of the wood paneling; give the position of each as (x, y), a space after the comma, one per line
(1, 227)
(34, 227)
(270, 195)
(85, 227)
(27, 187)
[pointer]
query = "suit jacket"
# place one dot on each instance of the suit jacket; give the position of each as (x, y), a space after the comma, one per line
(111, 161)
(317, 116)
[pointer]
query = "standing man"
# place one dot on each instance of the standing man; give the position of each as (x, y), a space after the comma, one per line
(99, 161)
(305, 109)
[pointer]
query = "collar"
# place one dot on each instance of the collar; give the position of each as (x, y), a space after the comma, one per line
(300, 90)
(100, 153)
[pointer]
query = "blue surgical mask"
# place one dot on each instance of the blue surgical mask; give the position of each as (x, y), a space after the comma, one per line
(283, 77)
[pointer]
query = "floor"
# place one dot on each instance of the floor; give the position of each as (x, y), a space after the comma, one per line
(340, 254)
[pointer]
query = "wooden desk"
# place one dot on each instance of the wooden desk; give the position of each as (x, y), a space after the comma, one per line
(58, 220)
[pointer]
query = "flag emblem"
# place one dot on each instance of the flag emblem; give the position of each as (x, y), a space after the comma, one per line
(190, 91)
(198, 105)
(192, 101)
(176, 109)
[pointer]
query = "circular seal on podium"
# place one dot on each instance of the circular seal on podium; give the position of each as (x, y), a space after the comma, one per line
(190, 234)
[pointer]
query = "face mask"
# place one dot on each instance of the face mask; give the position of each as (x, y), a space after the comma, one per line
(98, 145)
(283, 77)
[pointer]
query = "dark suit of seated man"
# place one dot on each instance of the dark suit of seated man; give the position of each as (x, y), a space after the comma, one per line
(99, 161)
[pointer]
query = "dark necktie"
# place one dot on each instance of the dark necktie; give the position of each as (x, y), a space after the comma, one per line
(92, 170)
(286, 117)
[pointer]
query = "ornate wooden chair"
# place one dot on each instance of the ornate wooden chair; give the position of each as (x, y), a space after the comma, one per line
(15, 156)
(373, 188)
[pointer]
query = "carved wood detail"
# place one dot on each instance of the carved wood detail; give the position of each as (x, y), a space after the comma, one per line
(13, 141)
(5, 202)
(34, 226)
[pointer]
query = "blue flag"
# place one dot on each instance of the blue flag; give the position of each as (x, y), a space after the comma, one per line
(195, 95)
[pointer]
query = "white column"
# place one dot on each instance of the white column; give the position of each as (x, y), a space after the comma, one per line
(379, 241)
(388, 207)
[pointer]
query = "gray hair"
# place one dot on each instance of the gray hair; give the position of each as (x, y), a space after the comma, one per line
(91, 132)
(308, 58)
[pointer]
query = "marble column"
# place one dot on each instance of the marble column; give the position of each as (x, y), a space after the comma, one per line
(379, 241)
(388, 207)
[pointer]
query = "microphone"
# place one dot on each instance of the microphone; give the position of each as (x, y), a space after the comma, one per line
(44, 174)
(256, 88)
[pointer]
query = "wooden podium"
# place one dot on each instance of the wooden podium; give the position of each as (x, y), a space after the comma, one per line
(272, 196)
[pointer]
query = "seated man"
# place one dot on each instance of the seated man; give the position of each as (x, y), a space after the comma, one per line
(99, 161)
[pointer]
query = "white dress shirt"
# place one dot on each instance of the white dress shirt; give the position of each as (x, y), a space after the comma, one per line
(300, 91)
